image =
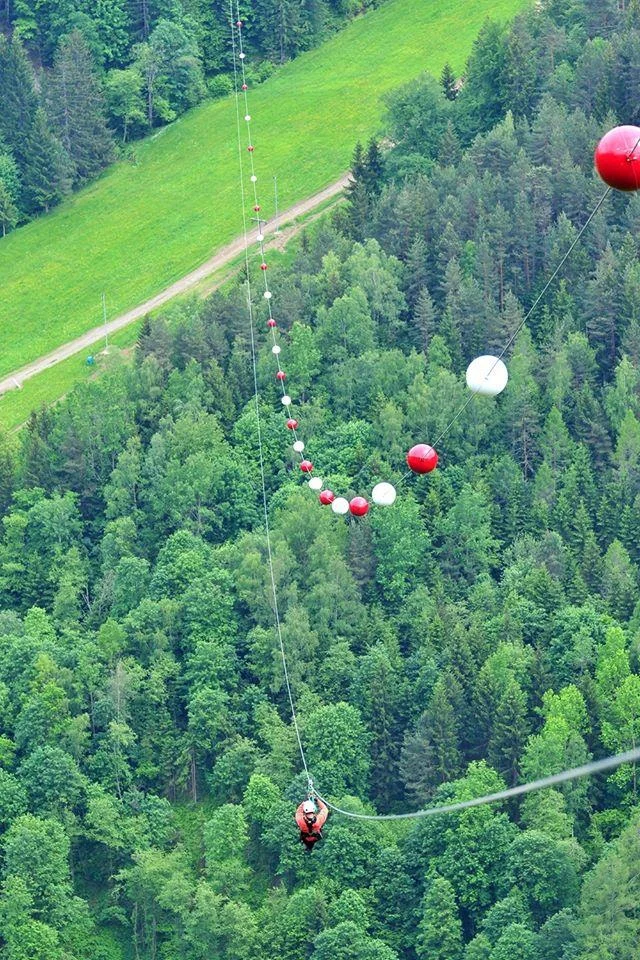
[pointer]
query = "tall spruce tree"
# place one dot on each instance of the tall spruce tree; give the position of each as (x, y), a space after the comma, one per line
(25, 130)
(76, 106)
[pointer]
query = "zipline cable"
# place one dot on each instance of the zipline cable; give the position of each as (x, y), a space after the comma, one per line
(256, 394)
(586, 770)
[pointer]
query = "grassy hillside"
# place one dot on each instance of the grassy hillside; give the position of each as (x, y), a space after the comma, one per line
(142, 226)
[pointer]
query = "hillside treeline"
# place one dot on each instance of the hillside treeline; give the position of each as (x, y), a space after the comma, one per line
(82, 78)
(482, 632)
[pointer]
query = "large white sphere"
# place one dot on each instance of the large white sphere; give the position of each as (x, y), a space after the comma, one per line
(384, 494)
(298, 446)
(340, 505)
(316, 483)
(286, 400)
(487, 376)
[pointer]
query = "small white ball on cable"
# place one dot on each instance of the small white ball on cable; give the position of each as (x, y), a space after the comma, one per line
(242, 55)
(315, 483)
(276, 349)
(260, 237)
(286, 400)
(384, 494)
(487, 376)
(267, 294)
(298, 446)
(247, 117)
(340, 506)
(254, 179)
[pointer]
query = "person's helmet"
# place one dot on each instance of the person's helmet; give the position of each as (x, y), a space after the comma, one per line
(308, 807)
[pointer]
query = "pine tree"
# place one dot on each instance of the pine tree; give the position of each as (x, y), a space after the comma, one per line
(510, 732)
(440, 927)
(24, 129)
(448, 81)
(424, 317)
(77, 108)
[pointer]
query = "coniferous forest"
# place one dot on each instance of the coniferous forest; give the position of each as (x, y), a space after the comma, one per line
(482, 632)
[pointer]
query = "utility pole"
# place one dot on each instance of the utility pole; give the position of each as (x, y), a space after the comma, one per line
(104, 321)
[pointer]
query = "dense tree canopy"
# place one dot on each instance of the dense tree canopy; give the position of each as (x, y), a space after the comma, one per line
(482, 631)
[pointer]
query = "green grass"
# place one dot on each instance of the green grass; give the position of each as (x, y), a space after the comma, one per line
(55, 382)
(141, 227)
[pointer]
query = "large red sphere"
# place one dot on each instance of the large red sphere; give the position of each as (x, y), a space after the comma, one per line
(359, 506)
(617, 158)
(327, 497)
(271, 323)
(281, 375)
(291, 423)
(306, 466)
(422, 458)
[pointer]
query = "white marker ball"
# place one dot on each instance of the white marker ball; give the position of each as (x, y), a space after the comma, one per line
(384, 494)
(247, 117)
(286, 400)
(260, 237)
(315, 483)
(487, 376)
(340, 505)
(276, 349)
(298, 446)
(242, 56)
(254, 179)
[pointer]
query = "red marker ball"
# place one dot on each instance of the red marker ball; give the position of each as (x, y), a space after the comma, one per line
(422, 458)
(617, 158)
(263, 266)
(244, 86)
(306, 466)
(238, 23)
(271, 322)
(292, 424)
(256, 207)
(359, 506)
(327, 497)
(281, 375)
(250, 148)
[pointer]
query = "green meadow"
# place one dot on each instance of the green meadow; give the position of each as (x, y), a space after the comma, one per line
(145, 224)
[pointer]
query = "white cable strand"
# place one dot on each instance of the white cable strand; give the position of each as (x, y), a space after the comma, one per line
(258, 423)
(586, 770)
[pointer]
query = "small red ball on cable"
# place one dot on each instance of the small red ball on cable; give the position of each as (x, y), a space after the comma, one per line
(250, 148)
(271, 323)
(244, 86)
(281, 375)
(239, 24)
(359, 506)
(422, 458)
(292, 424)
(306, 466)
(263, 266)
(256, 207)
(617, 158)
(327, 497)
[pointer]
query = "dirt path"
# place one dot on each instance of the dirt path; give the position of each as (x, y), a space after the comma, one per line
(186, 283)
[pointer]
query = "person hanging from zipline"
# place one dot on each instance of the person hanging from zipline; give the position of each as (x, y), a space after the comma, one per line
(311, 818)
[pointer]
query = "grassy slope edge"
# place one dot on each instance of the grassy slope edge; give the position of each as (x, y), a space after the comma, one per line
(141, 227)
